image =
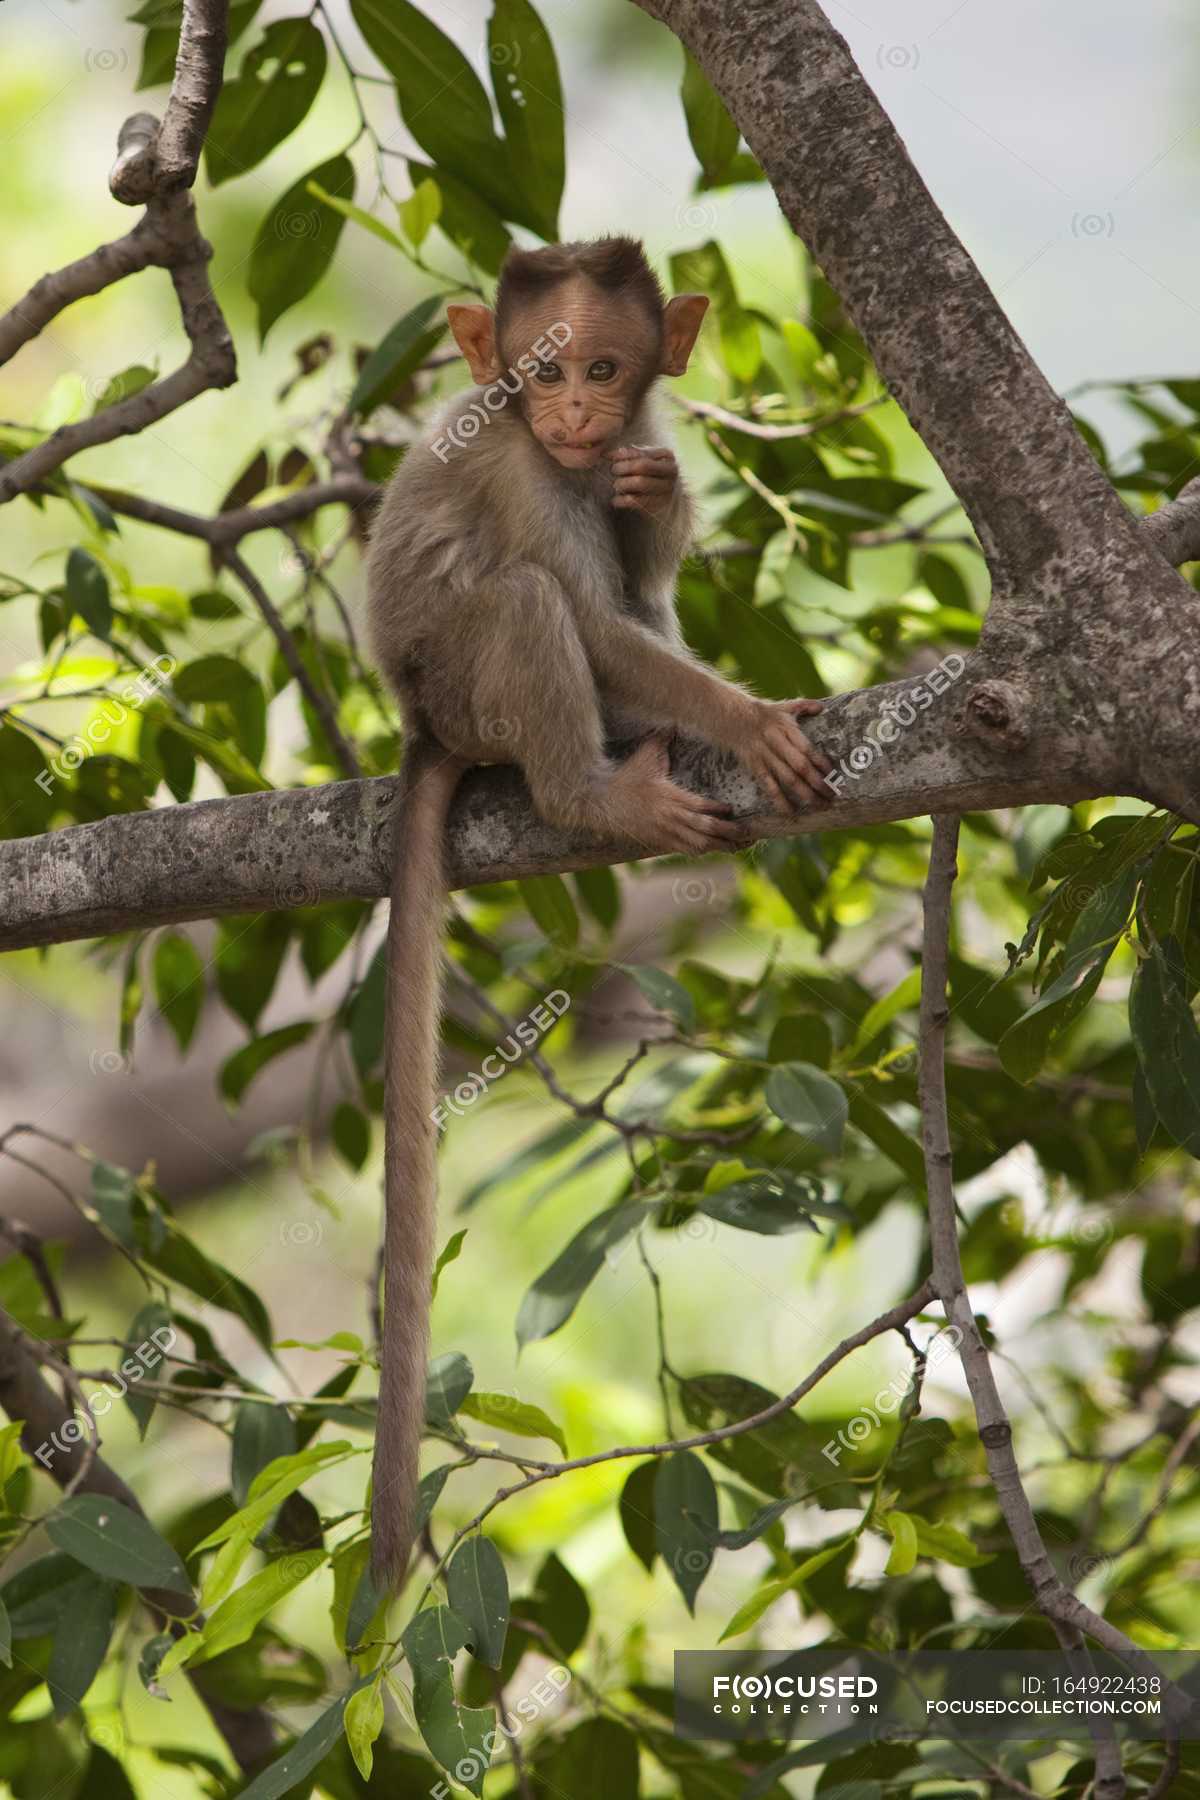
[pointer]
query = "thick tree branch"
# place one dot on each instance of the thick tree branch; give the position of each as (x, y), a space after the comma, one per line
(1174, 530)
(293, 848)
(199, 65)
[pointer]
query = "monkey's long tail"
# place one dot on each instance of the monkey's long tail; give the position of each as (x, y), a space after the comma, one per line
(414, 955)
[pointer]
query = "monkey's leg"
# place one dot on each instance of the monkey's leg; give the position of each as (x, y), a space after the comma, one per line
(522, 691)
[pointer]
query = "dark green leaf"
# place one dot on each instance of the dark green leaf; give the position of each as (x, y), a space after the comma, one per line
(601, 894)
(810, 1102)
(250, 954)
(106, 1537)
(5, 1636)
(559, 1605)
(801, 1037)
(397, 355)
(368, 1014)
(1024, 1046)
(275, 87)
(529, 97)
(81, 1643)
(685, 1520)
(555, 1294)
(455, 1735)
(469, 222)
(281, 1777)
(179, 1259)
(597, 1760)
(477, 1589)
(296, 241)
(179, 984)
(241, 1068)
(153, 1317)
(447, 1385)
(87, 590)
(713, 133)
(766, 1204)
(549, 900)
(1168, 1042)
(637, 1513)
(351, 1132)
(665, 994)
(261, 1432)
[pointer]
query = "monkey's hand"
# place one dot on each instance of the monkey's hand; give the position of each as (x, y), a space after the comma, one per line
(645, 480)
(789, 769)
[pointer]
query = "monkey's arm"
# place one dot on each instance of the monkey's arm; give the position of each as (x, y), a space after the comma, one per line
(661, 680)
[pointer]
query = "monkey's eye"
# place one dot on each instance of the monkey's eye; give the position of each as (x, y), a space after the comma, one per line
(548, 373)
(602, 370)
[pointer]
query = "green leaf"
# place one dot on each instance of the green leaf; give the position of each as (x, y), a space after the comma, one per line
(1167, 1041)
(359, 215)
(529, 97)
(239, 1070)
(301, 1759)
(250, 953)
(447, 1385)
(262, 1431)
(368, 1014)
(179, 985)
(80, 1644)
(152, 1317)
(685, 1520)
(444, 105)
(505, 1413)
(945, 1544)
(637, 1513)
(559, 1605)
(364, 1722)
(553, 1297)
(296, 241)
(106, 1537)
(887, 1136)
(5, 1636)
(456, 1736)
(477, 1590)
(397, 355)
(905, 995)
(768, 1204)
(180, 1260)
(801, 1037)
(234, 1620)
(271, 1486)
(450, 1253)
(350, 1129)
(903, 1557)
(420, 212)
(1024, 1047)
(467, 220)
(713, 134)
(600, 892)
(549, 900)
(274, 89)
(123, 386)
(87, 591)
(810, 1102)
(212, 678)
(597, 1760)
(665, 994)
(765, 1597)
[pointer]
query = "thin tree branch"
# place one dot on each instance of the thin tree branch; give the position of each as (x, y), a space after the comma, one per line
(222, 529)
(757, 428)
(320, 703)
(895, 1316)
(1174, 530)
(25, 1394)
(1069, 1616)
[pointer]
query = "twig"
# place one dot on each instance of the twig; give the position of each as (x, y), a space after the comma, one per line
(1069, 1616)
(887, 1321)
(704, 409)
(339, 743)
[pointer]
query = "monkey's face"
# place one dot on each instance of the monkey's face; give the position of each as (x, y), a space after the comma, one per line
(586, 359)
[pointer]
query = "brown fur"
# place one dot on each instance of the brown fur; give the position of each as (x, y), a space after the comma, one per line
(523, 610)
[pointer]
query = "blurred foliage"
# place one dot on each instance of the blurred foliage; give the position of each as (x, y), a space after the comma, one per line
(773, 1100)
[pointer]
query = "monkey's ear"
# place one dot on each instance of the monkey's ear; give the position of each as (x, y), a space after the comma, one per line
(474, 330)
(682, 318)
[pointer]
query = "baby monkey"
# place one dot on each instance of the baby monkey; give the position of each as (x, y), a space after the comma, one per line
(521, 583)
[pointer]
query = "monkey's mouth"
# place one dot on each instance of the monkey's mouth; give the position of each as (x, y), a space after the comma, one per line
(577, 452)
